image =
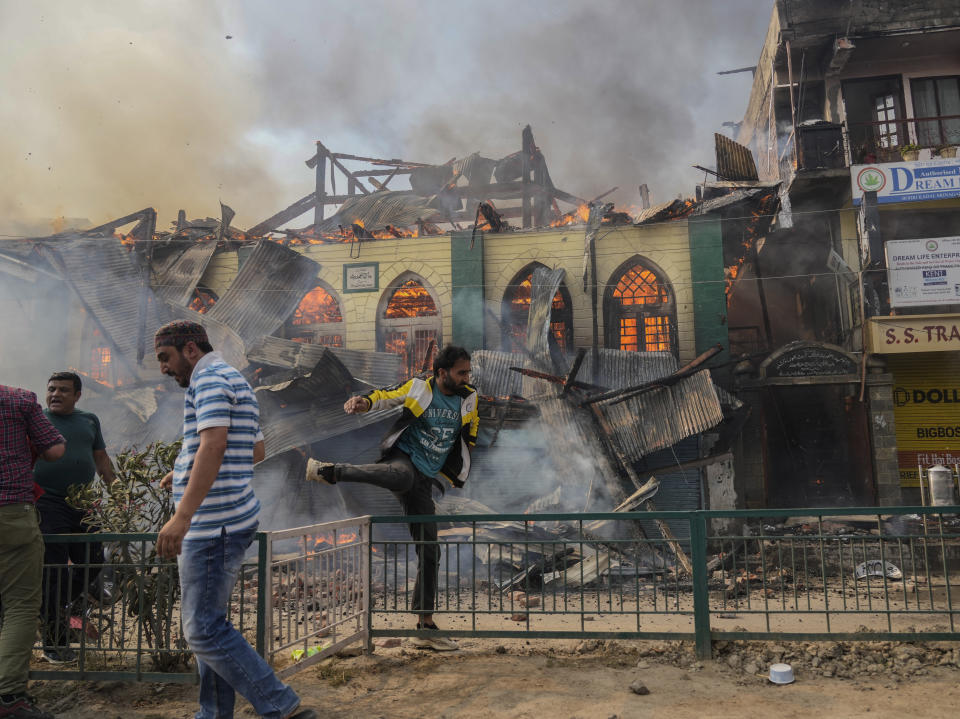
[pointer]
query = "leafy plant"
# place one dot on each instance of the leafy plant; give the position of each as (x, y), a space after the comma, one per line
(135, 503)
(909, 147)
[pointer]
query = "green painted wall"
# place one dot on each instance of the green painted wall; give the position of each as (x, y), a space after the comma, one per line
(706, 273)
(466, 265)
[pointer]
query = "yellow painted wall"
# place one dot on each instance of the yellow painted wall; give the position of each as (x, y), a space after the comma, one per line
(665, 244)
(428, 257)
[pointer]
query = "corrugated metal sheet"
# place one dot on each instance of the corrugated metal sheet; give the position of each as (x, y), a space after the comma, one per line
(662, 417)
(734, 161)
(266, 291)
(544, 286)
(680, 490)
(491, 374)
(179, 278)
(380, 369)
(103, 274)
(379, 209)
(310, 408)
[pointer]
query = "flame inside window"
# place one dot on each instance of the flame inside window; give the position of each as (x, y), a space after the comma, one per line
(411, 299)
(316, 308)
(640, 286)
(642, 312)
(100, 364)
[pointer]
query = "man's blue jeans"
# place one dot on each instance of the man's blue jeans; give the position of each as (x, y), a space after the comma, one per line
(225, 661)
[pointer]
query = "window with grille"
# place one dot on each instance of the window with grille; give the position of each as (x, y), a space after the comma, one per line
(516, 308)
(640, 311)
(318, 319)
(885, 113)
(409, 325)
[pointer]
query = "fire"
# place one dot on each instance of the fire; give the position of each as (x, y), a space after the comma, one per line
(202, 300)
(339, 539)
(317, 307)
(750, 237)
(574, 217)
(411, 299)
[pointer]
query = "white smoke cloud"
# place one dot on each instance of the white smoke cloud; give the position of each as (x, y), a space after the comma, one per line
(113, 106)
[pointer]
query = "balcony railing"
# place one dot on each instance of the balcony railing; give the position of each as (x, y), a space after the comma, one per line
(883, 141)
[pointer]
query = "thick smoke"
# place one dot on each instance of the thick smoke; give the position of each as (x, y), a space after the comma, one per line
(111, 107)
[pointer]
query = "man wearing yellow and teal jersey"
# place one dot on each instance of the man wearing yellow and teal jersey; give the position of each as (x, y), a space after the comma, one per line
(428, 446)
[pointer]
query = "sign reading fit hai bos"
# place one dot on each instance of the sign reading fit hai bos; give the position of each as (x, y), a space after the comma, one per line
(924, 272)
(907, 181)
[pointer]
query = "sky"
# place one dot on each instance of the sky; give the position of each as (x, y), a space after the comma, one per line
(111, 107)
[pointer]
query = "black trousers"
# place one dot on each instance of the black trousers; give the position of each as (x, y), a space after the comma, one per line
(62, 584)
(414, 490)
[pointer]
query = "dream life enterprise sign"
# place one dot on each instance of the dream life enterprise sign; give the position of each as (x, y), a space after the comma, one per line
(924, 272)
(907, 181)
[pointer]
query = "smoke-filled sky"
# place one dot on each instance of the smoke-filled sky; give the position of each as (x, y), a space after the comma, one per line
(110, 107)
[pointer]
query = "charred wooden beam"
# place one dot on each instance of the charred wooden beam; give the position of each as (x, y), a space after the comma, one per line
(572, 375)
(554, 378)
(284, 216)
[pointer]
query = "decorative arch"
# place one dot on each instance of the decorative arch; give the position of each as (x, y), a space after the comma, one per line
(639, 308)
(409, 322)
(318, 319)
(516, 307)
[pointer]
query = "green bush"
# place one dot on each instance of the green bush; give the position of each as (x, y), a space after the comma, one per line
(148, 586)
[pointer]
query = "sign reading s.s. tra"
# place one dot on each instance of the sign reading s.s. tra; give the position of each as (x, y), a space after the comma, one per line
(901, 334)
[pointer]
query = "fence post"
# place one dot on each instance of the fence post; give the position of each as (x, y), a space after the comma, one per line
(701, 599)
(263, 591)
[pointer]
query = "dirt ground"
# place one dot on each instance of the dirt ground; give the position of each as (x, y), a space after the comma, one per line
(585, 679)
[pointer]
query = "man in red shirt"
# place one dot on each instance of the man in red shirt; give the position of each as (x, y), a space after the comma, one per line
(24, 433)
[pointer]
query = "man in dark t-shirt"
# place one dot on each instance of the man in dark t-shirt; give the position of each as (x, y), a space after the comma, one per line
(85, 457)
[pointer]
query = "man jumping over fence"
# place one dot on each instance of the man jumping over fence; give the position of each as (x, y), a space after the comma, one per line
(432, 439)
(215, 521)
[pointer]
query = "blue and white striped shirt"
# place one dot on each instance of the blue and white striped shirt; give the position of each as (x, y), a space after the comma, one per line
(219, 396)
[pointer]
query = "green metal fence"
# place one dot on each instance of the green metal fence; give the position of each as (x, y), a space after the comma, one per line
(119, 615)
(848, 573)
(869, 573)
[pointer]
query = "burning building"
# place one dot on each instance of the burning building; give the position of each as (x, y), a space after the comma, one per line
(854, 117)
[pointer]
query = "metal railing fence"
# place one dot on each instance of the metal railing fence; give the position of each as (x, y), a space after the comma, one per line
(886, 573)
(849, 573)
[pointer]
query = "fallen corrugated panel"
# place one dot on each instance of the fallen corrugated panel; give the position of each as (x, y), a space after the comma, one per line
(175, 284)
(380, 369)
(103, 274)
(662, 417)
(491, 373)
(540, 343)
(266, 291)
(310, 408)
(732, 198)
(379, 209)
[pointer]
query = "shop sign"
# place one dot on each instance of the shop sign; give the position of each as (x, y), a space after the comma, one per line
(901, 334)
(907, 181)
(926, 409)
(923, 272)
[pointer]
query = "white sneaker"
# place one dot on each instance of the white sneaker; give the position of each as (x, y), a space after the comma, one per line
(322, 472)
(434, 640)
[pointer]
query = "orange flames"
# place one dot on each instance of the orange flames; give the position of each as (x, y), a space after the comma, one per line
(202, 301)
(317, 307)
(750, 236)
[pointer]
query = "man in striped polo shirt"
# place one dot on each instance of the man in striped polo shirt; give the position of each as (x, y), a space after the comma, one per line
(215, 521)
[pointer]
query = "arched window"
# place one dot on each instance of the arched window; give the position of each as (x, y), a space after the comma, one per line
(409, 323)
(317, 319)
(639, 309)
(516, 307)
